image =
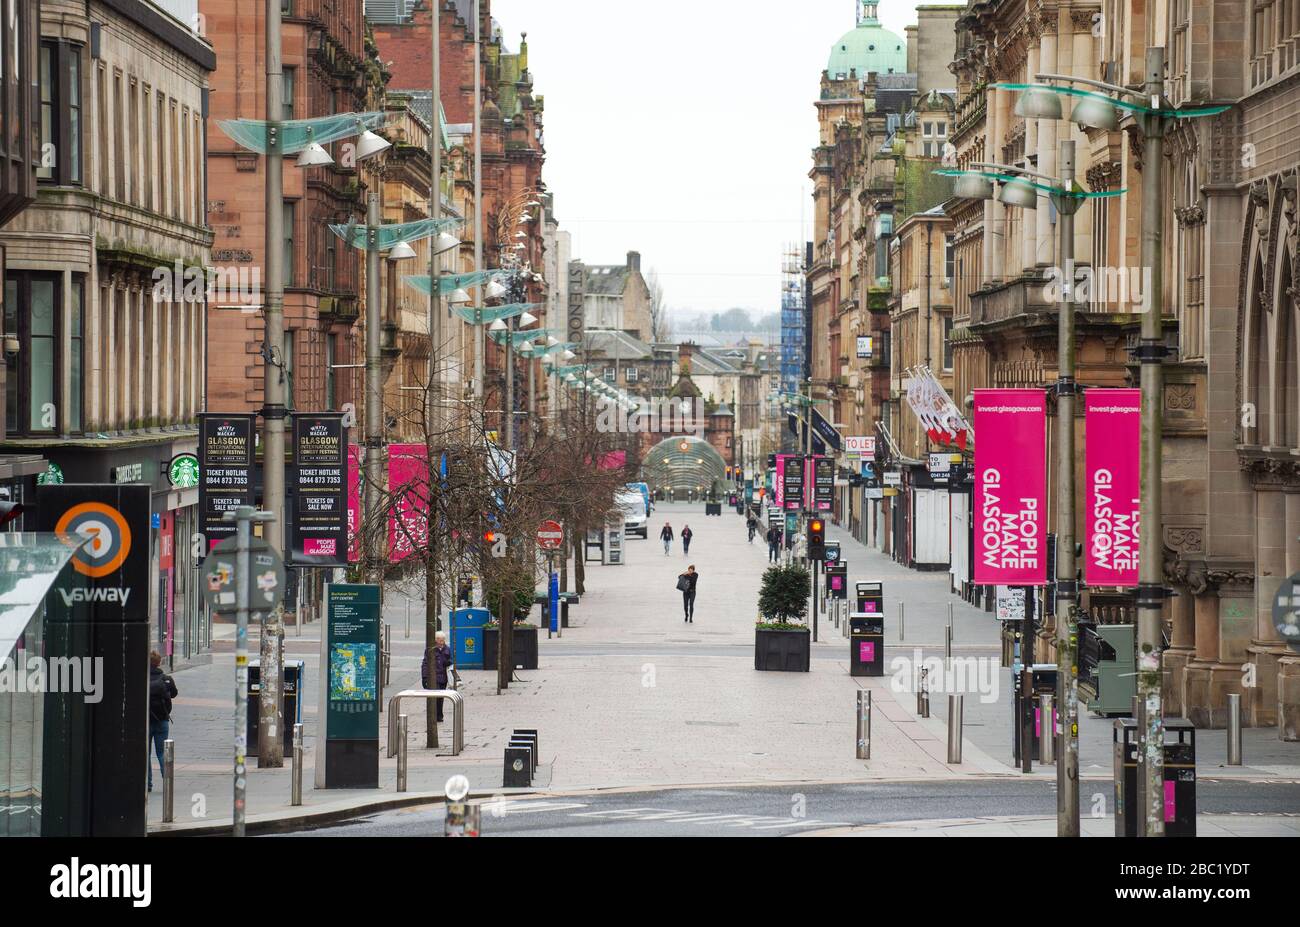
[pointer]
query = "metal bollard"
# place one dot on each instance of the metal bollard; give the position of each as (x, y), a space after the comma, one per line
(295, 789)
(169, 791)
(1234, 729)
(1046, 729)
(923, 694)
(900, 621)
(401, 753)
(955, 706)
(408, 616)
(297, 617)
(864, 724)
(947, 645)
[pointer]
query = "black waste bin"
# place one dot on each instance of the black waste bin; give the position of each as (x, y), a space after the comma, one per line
(1179, 777)
(1044, 683)
(866, 644)
(869, 598)
(292, 711)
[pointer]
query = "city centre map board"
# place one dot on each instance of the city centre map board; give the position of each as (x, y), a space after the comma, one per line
(350, 694)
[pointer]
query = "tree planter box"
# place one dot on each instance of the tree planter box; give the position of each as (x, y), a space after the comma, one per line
(787, 651)
(525, 648)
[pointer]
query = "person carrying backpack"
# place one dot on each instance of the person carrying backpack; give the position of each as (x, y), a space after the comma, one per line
(162, 689)
(686, 584)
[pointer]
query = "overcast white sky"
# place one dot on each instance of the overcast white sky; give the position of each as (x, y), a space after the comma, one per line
(683, 129)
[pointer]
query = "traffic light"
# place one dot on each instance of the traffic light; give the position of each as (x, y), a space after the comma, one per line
(816, 539)
(496, 542)
(9, 511)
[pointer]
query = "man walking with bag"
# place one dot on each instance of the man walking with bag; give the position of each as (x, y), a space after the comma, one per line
(686, 583)
(162, 689)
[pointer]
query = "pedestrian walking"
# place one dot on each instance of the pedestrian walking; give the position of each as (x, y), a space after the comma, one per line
(774, 544)
(441, 664)
(162, 689)
(687, 534)
(666, 536)
(686, 583)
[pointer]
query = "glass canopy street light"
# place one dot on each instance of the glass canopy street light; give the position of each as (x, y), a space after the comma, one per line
(1105, 111)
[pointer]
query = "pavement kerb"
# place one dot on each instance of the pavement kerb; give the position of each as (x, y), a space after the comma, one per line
(291, 819)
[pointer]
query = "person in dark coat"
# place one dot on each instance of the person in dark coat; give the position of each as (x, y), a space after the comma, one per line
(441, 665)
(687, 534)
(666, 536)
(688, 594)
(774, 544)
(162, 689)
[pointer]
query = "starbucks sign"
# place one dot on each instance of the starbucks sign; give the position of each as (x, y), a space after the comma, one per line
(184, 471)
(52, 476)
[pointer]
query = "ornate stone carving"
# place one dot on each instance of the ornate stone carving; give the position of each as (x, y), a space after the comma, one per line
(1185, 540)
(1272, 472)
(1190, 574)
(1190, 215)
(1180, 397)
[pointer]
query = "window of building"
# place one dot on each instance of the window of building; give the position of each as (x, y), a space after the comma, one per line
(331, 390)
(286, 368)
(947, 257)
(611, 374)
(288, 244)
(34, 398)
(60, 115)
(947, 342)
(288, 76)
(632, 374)
(119, 142)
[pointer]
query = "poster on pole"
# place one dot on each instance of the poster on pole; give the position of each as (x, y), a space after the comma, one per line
(408, 482)
(778, 482)
(1113, 424)
(823, 483)
(1011, 603)
(319, 532)
(793, 482)
(1010, 487)
(225, 472)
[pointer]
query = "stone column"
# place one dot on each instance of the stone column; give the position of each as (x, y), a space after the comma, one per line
(1270, 570)
(1182, 648)
(1031, 220)
(995, 226)
(1044, 245)
(1288, 679)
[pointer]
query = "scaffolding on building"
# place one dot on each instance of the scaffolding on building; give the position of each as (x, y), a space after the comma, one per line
(793, 320)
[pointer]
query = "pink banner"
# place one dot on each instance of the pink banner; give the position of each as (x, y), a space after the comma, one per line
(1113, 422)
(354, 502)
(778, 484)
(1010, 487)
(408, 480)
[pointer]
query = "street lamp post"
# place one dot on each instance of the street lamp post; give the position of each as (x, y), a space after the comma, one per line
(270, 746)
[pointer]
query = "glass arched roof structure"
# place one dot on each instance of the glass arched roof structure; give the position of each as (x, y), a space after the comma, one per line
(683, 462)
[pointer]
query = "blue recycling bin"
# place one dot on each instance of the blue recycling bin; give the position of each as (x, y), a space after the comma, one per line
(467, 636)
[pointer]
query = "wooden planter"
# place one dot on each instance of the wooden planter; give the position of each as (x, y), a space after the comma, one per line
(525, 648)
(782, 651)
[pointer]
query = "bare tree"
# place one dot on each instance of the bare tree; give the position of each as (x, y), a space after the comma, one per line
(660, 327)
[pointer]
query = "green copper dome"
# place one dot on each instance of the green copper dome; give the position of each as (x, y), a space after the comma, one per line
(869, 47)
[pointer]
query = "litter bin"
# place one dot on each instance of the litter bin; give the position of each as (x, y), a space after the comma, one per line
(866, 644)
(467, 636)
(1179, 777)
(869, 598)
(1043, 683)
(566, 598)
(291, 685)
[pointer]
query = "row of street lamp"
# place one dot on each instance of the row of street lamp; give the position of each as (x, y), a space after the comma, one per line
(1020, 187)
